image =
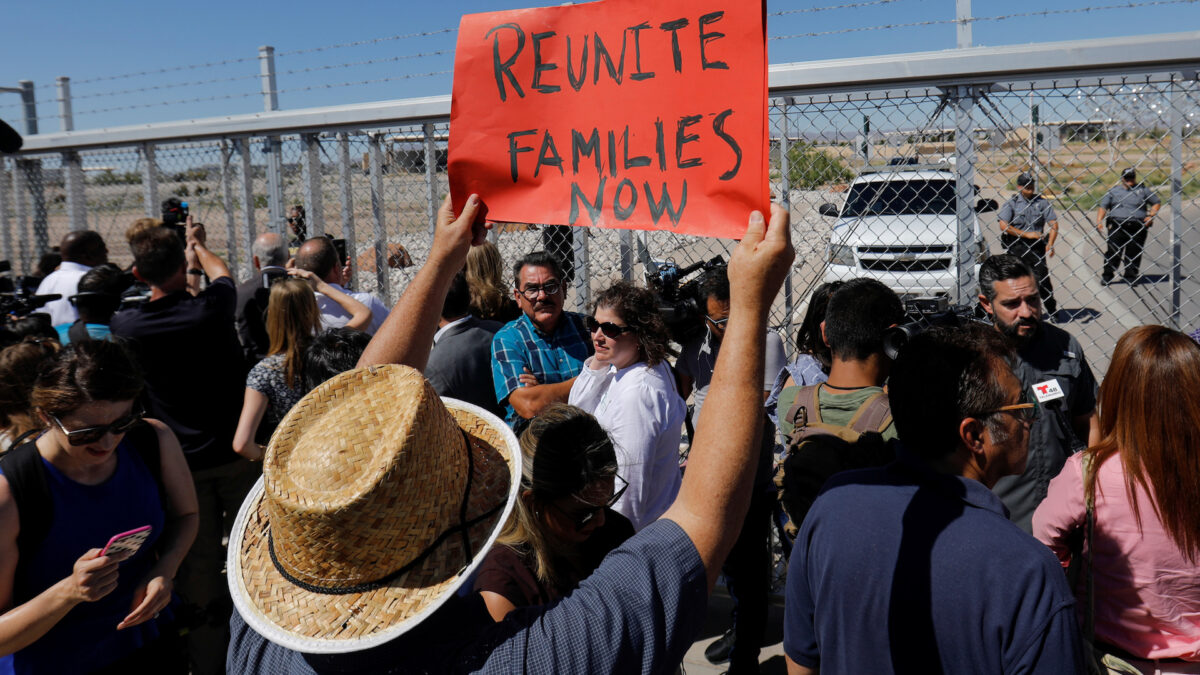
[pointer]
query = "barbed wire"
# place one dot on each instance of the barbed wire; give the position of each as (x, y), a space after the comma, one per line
(200, 99)
(974, 19)
(375, 81)
(368, 62)
(360, 43)
(160, 71)
(173, 85)
(850, 5)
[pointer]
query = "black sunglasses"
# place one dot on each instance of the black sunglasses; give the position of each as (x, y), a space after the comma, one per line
(93, 434)
(609, 328)
(581, 519)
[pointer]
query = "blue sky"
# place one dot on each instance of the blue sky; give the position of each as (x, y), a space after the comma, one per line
(100, 40)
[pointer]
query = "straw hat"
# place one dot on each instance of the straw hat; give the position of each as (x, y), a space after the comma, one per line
(353, 535)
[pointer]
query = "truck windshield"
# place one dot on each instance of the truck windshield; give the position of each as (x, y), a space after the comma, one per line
(900, 198)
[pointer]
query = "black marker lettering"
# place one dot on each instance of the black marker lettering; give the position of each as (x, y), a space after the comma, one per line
(513, 149)
(581, 147)
(548, 155)
(631, 162)
(674, 27)
(682, 137)
(657, 207)
(659, 145)
(504, 67)
(617, 73)
(539, 67)
(623, 212)
(637, 53)
(577, 84)
(707, 19)
(593, 207)
(719, 129)
(612, 154)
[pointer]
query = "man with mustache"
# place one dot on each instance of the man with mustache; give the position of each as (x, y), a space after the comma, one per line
(536, 356)
(1053, 371)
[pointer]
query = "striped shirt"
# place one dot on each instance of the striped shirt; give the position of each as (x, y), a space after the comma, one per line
(551, 358)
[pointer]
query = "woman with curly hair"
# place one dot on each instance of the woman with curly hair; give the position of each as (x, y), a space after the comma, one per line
(490, 300)
(628, 385)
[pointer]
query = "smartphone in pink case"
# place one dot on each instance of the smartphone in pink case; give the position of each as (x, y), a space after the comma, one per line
(123, 546)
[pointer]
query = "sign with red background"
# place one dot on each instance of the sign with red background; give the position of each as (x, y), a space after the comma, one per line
(618, 113)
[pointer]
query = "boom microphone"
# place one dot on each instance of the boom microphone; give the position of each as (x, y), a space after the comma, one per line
(10, 140)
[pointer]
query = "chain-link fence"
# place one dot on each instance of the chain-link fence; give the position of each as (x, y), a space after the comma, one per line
(903, 184)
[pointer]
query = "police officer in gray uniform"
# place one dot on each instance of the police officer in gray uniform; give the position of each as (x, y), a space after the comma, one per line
(1028, 229)
(1128, 211)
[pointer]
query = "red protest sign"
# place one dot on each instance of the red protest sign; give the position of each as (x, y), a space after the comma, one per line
(618, 113)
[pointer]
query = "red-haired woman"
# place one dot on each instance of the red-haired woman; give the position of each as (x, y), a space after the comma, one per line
(1145, 475)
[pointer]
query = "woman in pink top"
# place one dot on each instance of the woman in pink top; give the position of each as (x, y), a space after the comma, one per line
(1146, 481)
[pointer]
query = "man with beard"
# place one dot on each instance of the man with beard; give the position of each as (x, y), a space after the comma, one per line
(1053, 371)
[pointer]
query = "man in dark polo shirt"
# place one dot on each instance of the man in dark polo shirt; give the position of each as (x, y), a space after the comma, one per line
(1028, 229)
(913, 567)
(1050, 365)
(195, 379)
(1127, 211)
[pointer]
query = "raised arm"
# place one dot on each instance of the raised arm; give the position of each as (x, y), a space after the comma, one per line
(210, 262)
(716, 489)
(407, 335)
(360, 314)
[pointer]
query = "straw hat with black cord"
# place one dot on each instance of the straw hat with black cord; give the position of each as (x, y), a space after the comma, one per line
(378, 499)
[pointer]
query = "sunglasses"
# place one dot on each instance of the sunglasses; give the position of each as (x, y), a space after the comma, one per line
(549, 288)
(719, 323)
(1026, 410)
(93, 434)
(580, 519)
(610, 329)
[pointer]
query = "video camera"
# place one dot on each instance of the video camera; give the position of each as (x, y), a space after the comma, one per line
(921, 314)
(679, 301)
(18, 298)
(174, 216)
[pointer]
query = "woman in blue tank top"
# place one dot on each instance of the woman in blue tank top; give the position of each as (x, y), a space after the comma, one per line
(66, 608)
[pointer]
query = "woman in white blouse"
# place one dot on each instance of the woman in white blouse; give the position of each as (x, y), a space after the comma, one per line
(629, 387)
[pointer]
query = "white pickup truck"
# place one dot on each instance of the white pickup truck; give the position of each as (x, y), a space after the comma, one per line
(899, 225)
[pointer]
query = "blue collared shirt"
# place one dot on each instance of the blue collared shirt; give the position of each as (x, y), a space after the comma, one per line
(901, 569)
(551, 358)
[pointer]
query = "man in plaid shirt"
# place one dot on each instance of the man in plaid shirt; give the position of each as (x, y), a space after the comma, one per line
(536, 357)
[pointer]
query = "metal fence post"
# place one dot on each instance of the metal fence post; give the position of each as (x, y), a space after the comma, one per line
(785, 199)
(149, 181)
(33, 172)
(583, 286)
(431, 191)
(347, 198)
(625, 246)
(964, 169)
(5, 223)
(227, 203)
(274, 148)
(243, 147)
(310, 168)
(1175, 100)
(71, 162)
(21, 213)
(383, 288)
(66, 119)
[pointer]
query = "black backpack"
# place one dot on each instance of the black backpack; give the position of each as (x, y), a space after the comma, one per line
(817, 450)
(22, 466)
